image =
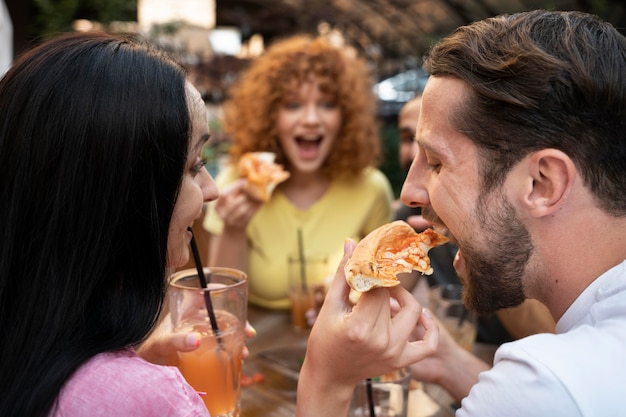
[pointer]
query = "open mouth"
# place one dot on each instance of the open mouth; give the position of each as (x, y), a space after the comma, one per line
(308, 146)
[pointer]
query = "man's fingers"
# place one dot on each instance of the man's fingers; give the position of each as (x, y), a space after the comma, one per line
(427, 346)
(338, 287)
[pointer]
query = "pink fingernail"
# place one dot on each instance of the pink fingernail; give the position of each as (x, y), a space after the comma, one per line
(250, 328)
(346, 245)
(426, 312)
(193, 339)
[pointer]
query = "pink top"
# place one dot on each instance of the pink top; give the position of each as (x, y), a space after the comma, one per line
(123, 384)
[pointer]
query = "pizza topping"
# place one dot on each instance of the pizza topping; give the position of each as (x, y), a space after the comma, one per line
(261, 173)
(387, 251)
(411, 253)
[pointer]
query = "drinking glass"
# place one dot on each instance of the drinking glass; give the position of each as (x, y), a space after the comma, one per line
(214, 368)
(307, 288)
(388, 395)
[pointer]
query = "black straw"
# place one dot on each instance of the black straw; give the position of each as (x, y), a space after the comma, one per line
(370, 397)
(203, 284)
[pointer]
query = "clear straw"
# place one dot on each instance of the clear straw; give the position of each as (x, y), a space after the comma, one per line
(302, 261)
(204, 284)
(464, 314)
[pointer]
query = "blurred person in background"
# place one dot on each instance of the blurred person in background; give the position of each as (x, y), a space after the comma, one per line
(407, 121)
(312, 104)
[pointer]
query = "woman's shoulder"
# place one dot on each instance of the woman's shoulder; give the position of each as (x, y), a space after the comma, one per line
(375, 175)
(369, 179)
(122, 383)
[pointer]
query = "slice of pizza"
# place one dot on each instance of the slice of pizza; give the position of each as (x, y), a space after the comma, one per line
(387, 251)
(261, 173)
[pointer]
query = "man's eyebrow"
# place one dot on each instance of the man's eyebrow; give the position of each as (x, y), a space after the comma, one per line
(426, 146)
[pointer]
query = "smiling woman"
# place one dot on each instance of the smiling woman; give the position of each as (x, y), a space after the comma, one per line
(312, 104)
(100, 176)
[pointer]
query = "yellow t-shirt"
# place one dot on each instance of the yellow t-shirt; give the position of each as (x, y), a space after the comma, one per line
(350, 208)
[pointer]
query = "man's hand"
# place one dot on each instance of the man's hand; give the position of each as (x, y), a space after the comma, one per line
(348, 344)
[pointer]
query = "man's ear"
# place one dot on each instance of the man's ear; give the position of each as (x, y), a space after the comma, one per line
(553, 174)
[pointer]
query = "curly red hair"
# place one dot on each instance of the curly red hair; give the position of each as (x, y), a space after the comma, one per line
(250, 113)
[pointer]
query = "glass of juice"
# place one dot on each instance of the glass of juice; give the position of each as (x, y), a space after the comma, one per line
(388, 395)
(214, 368)
(307, 290)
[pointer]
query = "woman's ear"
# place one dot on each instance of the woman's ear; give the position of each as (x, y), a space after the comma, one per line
(552, 173)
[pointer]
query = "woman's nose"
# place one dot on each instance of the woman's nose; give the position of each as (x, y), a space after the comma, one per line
(311, 114)
(209, 188)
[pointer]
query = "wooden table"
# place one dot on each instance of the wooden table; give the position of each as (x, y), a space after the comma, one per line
(277, 352)
(276, 395)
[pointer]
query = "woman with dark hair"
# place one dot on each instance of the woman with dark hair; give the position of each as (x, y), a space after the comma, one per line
(100, 179)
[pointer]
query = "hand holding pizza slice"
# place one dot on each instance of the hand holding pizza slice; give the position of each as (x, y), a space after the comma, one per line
(262, 175)
(387, 251)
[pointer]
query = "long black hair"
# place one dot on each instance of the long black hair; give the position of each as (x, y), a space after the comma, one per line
(94, 132)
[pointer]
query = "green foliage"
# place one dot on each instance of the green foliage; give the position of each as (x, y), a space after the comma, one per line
(169, 28)
(55, 16)
(114, 10)
(390, 165)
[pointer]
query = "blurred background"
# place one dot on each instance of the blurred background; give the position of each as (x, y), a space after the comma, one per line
(216, 39)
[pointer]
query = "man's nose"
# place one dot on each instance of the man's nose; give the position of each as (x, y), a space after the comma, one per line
(414, 193)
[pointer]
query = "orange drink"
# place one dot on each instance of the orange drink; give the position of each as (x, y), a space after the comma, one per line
(306, 286)
(301, 302)
(218, 313)
(214, 368)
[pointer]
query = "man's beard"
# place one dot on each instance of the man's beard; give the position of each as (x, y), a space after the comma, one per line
(495, 267)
